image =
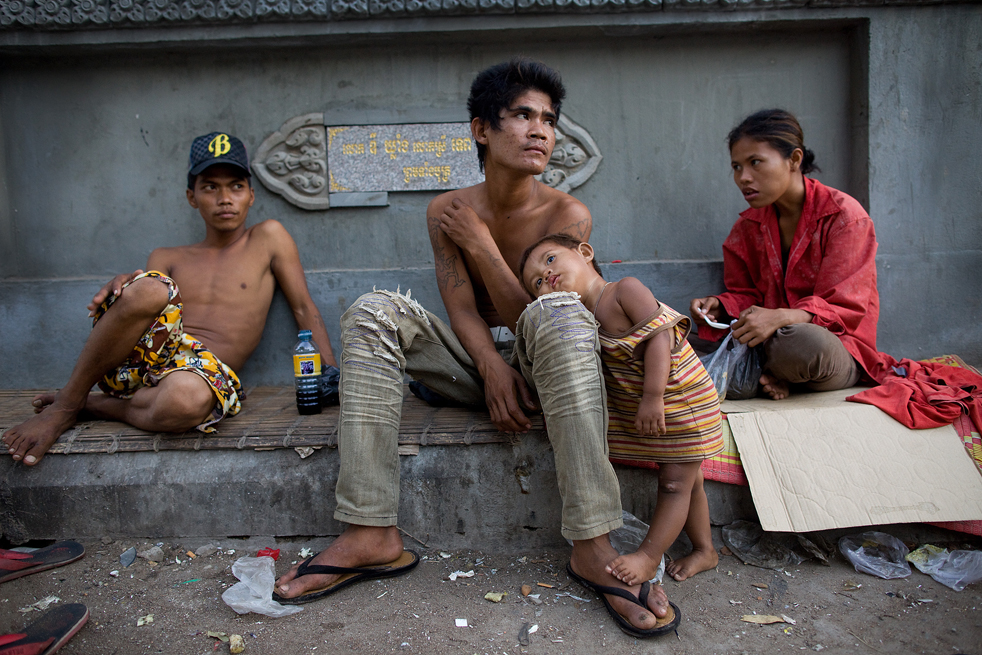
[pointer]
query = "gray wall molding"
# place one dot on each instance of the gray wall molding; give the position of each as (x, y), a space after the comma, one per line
(74, 15)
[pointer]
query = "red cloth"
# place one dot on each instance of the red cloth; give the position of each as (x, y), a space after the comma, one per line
(929, 396)
(831, 270)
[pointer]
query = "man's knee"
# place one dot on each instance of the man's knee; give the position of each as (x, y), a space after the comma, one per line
(184, 402)
(144, 297)
(381, 310)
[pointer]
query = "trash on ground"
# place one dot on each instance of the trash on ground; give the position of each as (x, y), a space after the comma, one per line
(533, 628)
(269, 552)
(128, 556)
(955, 569)
(255, 591)
(876, 553)
(818, 547)
(220, 636)
(495, 596)
(236, 644)
(851, 585)
(41, 605)
(189, 581)
(523, 635)
(305, 553)
(144, 620)
(535, 599)
(304, 451)
(153, 554)
(526, 590)
(114, 574)
(190, 554)
(461, 574)
(444, 555)
(546, 585)
(736, 602)
(766, 619)
(461, 623)
(582, 600)
(759, 585)
(207, 550)
(768, 550)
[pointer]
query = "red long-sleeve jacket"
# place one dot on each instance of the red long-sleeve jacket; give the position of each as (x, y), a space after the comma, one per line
(831, 270)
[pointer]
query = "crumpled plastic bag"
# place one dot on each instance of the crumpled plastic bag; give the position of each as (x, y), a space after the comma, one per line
(956, 569)
(255, 591)
(735, 369)
(876, 553)
(768, 550)
(330, 381)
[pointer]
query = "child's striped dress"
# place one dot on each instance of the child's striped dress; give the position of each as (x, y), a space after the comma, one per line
(692, 413)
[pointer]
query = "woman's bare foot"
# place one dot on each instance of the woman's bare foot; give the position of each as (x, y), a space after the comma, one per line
(357, 546)
(29, 441)
(775, 388)
(697, 561)
(589, 560)
(634, 568)
(41, 401)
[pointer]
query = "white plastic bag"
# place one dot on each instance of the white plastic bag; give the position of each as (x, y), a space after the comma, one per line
(956, 569)
(255, 591)
(735, 369)
(876, 553)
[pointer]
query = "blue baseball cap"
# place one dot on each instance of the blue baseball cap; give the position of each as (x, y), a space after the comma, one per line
(216, 148)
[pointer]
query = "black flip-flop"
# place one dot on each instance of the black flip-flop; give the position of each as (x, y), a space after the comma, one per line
(349, 576)
(662, 626)
(47, 634)
(14, 564)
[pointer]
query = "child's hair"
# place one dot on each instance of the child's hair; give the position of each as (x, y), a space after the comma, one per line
(497, 87)
(778, 128)
(560, 239)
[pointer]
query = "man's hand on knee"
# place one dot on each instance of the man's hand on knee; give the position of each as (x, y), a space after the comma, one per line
(112, 288)
(506, 392)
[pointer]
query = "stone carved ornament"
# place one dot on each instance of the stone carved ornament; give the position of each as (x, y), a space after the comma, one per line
(292, 161)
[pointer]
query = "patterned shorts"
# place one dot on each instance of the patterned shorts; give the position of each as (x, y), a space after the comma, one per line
(165, 348)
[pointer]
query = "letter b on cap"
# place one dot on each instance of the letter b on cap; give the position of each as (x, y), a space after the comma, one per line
(220, 145)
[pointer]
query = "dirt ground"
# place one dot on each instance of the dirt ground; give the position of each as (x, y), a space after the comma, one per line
(834, 608)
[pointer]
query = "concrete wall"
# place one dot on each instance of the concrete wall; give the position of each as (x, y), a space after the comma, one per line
(94, 138)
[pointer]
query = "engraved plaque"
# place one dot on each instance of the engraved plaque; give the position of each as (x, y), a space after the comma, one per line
(407, 157)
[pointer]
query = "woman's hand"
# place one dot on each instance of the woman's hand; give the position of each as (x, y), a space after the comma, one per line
(650, 419)
(703, 308)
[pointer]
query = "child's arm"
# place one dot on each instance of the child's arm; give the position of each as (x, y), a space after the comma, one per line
(638, 303)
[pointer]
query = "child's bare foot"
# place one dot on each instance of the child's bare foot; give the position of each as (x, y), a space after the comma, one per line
(697, 561)
(634, 568)
(41, 401)
(775, 388)
(29, 441)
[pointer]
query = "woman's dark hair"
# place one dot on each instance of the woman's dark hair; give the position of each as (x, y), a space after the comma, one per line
(560, 239)
(778, 128)
(497, 87)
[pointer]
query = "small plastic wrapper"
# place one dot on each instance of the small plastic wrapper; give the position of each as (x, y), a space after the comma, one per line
(254, 592)
(956, 569)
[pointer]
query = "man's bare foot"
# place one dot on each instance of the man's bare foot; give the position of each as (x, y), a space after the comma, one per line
(29, 441)
(697, 561)
(775, 388)
(633, 569)
(357, 546)
(589, 560)
(41, 401)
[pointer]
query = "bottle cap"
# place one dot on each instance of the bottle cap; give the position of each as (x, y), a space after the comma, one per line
(305, 334)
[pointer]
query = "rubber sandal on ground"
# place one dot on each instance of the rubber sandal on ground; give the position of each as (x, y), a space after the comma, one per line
(14, 564)
(47, 634)
(664, 625)
(349, 576)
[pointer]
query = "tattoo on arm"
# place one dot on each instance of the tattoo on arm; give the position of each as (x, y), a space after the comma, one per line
(578, 229)
(445, 263)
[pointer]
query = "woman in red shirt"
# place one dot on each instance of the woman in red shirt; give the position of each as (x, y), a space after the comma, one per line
(798, 266)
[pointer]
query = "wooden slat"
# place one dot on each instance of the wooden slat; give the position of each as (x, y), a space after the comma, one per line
(268, 419)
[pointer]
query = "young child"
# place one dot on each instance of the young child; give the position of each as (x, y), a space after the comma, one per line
(662, 404)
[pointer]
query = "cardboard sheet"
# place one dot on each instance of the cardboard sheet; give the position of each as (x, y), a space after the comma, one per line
(816, 462)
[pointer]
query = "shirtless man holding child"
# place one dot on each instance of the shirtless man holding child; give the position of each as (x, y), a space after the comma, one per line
(478, 235)
(165, 344)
